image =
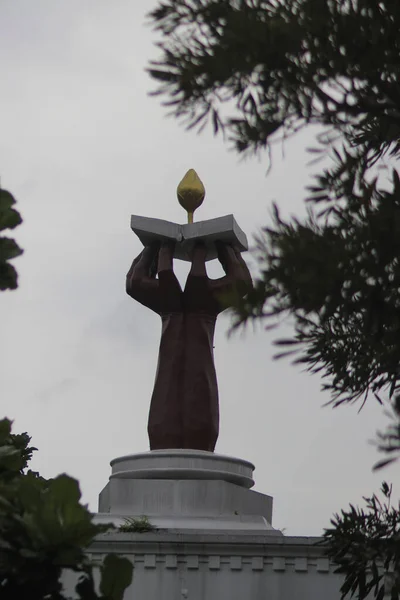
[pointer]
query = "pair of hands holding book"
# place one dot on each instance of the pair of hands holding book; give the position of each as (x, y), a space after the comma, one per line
(143, 286)
(159, 257)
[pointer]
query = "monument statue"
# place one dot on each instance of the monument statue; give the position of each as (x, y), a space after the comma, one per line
(184, 409)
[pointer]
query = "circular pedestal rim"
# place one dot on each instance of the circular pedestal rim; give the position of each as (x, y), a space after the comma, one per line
(183, 465)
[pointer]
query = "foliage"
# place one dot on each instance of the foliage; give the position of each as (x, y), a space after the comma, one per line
(281, 64)
(259, 68)
(337, 275)
(9, 249)
(259, 71)
(365, 544)
(44, 530)
(137, 525)
(389, 440)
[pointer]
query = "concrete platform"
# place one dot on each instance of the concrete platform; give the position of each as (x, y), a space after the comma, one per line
(220, 566)
(186, 490)
(213, 539)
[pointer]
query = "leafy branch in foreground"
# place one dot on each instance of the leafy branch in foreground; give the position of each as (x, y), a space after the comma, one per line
(389, 440)
(45, 530)
(9, 249)
(337, 274)
(259, 70)
(253, 67)
(365, 544)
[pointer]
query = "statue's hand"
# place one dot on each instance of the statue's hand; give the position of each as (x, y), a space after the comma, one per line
(141, 282)
(199, 251)
(199, 254)
(129, 275)
(237, 280)
(144, 266)
(166, 255)
(226, 253)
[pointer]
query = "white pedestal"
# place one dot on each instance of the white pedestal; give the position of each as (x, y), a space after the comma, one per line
(186, 490)
(214, 539)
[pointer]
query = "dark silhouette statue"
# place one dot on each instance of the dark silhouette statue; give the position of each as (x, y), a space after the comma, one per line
(184, 410)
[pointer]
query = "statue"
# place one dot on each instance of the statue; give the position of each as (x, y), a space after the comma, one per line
(184, 409)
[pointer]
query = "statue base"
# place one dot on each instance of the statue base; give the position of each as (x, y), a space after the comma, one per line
(186, 490)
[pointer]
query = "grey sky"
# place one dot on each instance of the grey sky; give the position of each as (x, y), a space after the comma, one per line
(82, 146)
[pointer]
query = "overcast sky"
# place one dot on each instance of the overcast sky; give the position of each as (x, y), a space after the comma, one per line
(82, 147)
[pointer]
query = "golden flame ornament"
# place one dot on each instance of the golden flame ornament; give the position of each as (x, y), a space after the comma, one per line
(191, 193)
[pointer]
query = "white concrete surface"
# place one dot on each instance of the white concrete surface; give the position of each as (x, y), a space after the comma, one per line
(186, 490)
(214, 538)
(183, 464)
(222, 566)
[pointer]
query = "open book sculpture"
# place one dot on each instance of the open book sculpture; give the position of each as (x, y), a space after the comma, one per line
(184, 410)
(223, 229)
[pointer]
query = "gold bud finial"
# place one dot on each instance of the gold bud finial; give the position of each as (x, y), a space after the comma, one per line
(191, 193)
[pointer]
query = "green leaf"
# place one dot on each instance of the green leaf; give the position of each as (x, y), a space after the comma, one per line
(283, 354)
(9, 249)
(381, 593)
(8, 277)
(65, 491)
(31, 490)
(7, 200)
(9, 219)
(5, 430)
(285, 342)
(116, 576)
(10, 459)
(85, 588)
(383, 463)
(62, 514)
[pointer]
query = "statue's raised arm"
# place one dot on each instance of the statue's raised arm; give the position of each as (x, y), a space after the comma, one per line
(237, 280)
